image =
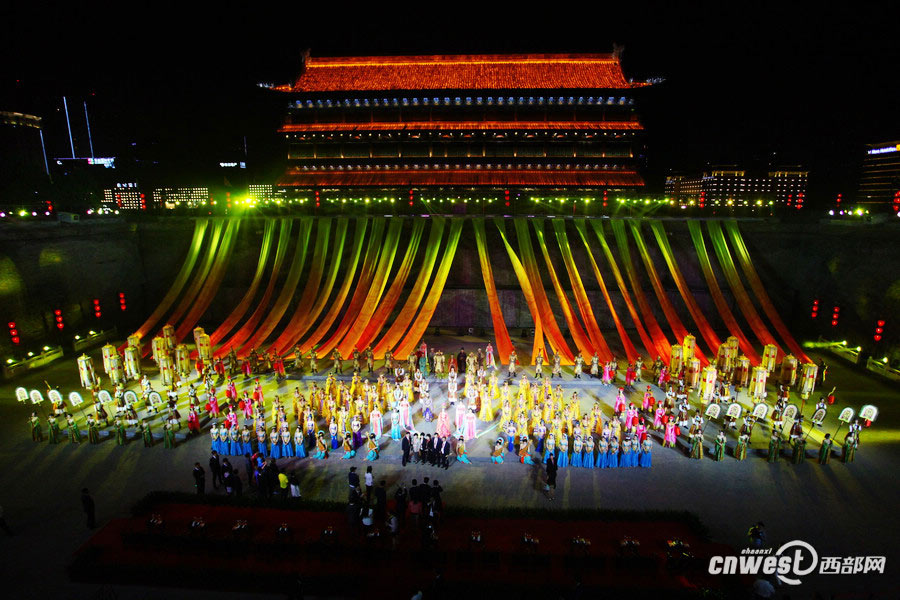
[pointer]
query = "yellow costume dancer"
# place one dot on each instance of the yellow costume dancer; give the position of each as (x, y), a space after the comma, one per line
(487, 409)
(494, 390)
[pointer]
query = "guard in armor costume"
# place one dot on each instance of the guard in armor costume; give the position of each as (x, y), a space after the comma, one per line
(513, 359)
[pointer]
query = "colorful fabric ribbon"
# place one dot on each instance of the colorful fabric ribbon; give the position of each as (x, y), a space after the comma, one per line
(501, 335)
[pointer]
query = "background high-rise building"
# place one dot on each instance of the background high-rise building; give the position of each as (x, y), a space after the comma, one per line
(879, 183)
(730, 186)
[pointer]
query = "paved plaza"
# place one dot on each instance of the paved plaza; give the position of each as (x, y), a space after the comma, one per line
(840, 509)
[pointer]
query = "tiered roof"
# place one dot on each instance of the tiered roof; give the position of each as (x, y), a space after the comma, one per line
(462, 72)
(463, 126)
(460, 177)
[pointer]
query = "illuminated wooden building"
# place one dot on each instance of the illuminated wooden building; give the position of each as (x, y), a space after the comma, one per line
(421, 127)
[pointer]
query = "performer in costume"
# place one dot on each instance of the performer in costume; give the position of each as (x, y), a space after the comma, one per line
(396, 433)
(513, 358)
(850, 445)
(461, 455)
(54, 429)
(562, 454)
(774, 446)
(121, 436)
(146, 434)
(168, 436)
(299, 443)
(825, 450)
(603, 453)
(321, 447)
(577, 448)
(275, 446)
(525, 451)
(720, 446)
(497, 453)
(471, 431)
(372, 447)
(697, 450)
(626, 453)
(93, 430)
(333, 433)
(37, 433)
(799, 449)
(349, 450)
(74, 433)
(287, 447)
(645, 460)
(587, 460)
(489, 357)
(613, 454)
(669, 439)
(443, 423)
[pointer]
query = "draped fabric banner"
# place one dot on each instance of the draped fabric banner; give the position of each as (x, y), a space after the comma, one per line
(417, 330)
(197, 282)
(646, 340)
(662, 344)
(241, 309)
(760, 291)
(671, 316)
(374, 323)
(706, 331)
(737, 288)
(279, 307)
(362, 315)
(200, 277)
(501, 335)
(716, 292)
(548, 319)
(312, 303)
(408, 312)
(598, 342)
(337, 303)
(374, 251)
(630, 352)
(211, 287)
(240, 336)
(525, 284)
(578, 335)
(313, 278)
(200, 227)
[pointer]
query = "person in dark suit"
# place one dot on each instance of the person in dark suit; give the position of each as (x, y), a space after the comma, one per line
(87, 503)
(353, 480)
(551, 475)
(199, 479)
(381, 502)
(461, 361)
(426, 449)
(406, 446)
(445, 453)
(215, 469)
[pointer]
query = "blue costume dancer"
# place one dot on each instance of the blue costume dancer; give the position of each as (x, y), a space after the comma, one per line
(645, 453)
(299, 446)
(577, 447)
(603, 454)
(588, 461)
(274, 440)
(287, 448)
(613, 455)
(562, 459)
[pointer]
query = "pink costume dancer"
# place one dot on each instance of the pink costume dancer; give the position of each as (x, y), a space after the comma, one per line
(670, 434)
(443, 423)
(213, 403)
(641, 431)
(471, 431)
(606, 374)
(489, 357)
(247, 406)
(619, 405)
(663, 376)
(405, 416)
(460, 417)
(648, 399)
(257, 392)
(230, 391)
(375, 423)
(657, 420)
(630, 416)
(230, 419)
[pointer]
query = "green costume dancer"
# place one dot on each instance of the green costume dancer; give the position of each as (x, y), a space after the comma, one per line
(740, 451)
(93, 431)
(121, 436)
(720, 446)
(169, 436)
(147, 435)
(37, 433)
(774, 448)
(54, 430)
(697, 446)
(825, 450)
(799, 451)
(74, 432)
(849, 448)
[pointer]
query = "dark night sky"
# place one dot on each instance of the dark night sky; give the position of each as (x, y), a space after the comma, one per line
(742, 82)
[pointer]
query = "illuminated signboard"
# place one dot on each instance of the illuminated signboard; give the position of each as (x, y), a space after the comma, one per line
(885, 150)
